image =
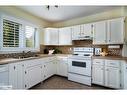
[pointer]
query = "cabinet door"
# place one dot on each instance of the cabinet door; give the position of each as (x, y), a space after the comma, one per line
(116, 31)
(13, 75)
(47, 37)
(75, 32)
(62, 68)
(100, 30)
(112, 77)
(54, 37)
(87, 30)
(32, 76)
(98, 74)
(51, 36)
(65, 36)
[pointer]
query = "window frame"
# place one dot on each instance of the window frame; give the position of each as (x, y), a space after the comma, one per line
(22, 43)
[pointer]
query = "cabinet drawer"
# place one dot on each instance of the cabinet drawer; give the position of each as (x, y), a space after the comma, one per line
(112, 63)
(98, 61)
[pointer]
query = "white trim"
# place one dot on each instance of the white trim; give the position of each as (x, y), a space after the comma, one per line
(21, 35)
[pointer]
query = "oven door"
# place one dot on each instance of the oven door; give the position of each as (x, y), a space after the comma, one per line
(79, 66)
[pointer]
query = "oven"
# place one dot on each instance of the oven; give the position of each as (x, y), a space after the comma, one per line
(79, 66)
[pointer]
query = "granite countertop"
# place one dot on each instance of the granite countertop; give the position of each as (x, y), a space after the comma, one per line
(110, 57)
(13, 60)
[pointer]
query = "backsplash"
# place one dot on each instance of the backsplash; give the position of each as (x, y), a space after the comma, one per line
(88, 43)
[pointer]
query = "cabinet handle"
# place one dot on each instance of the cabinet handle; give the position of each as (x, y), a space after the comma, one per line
(23, 65)
(44, 75)
(25, 72)
(41, 67)
(44, 65)
(97, 62)
(126, 67)
(107, 70)
(25, 85)
(14, 67)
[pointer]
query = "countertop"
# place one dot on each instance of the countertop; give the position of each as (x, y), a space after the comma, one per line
(110, 57)
(13, 60)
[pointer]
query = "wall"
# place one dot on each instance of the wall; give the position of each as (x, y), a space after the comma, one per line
(18, 13)
(92, 18)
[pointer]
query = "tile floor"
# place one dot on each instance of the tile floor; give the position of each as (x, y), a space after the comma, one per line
(58, 82)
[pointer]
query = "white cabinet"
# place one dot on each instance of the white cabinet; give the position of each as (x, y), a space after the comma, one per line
(32, 76)
(62, 67)
(51, 36)
(65, 36)
(98, 72)
(79, 32)
(100, 30)
(115, 31)
(86, 30)
(109, 32)
(112, 73)
(49, 67)
(112, 77)
(4, 75)
(106, 73)
(32, 73)
(75, 32)
(124, 75)
(16, 75)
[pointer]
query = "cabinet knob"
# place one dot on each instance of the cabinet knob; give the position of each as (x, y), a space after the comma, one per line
(14, 67)
(44, 65)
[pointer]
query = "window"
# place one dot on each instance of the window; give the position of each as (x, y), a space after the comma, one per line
(30, 35)
(18, 35)
(10, 33)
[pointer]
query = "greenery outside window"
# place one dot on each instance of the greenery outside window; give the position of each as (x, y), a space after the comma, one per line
(30, 36)
(10, 33)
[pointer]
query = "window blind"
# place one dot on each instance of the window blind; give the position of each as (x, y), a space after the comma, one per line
(10, 33)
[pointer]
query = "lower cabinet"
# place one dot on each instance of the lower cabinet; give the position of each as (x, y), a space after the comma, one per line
(25, 74)
(107, 74)
(32, 76)
(98, 74)
(112, 77)
(62, 67)
(16, 75)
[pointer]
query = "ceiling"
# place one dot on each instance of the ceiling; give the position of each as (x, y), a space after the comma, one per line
(63, 13)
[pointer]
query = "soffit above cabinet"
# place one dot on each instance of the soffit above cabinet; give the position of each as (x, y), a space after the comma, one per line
(63, 13)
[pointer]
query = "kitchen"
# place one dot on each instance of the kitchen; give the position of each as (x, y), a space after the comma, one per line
(86, 49)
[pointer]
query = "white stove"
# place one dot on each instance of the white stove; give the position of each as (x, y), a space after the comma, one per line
(79, 65)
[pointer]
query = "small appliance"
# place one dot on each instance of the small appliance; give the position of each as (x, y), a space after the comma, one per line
(98, 51)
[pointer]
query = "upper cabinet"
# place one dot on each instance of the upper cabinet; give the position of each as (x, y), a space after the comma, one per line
(81, 32)
(100, 32)
(75, 32)
(115, 33)
(55, 36)
(65, 36)
(109, 32)
(51, 36)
